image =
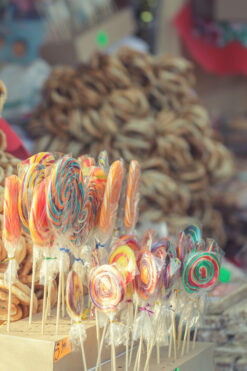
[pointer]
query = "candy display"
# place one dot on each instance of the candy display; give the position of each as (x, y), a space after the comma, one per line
(71, 209)
(140, 107)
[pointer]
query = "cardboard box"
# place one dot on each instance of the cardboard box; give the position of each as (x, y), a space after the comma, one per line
(84, 44)
(26, 349)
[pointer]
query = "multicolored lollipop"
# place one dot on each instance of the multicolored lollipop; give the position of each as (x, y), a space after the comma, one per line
(74, 296)
(201, 271)
(41, 158)
(124, 258)
(86, 161)
(146, 282)
(65, 195)
(107, 287)
(103, 161)
(32, 176)
(132, 195)
(11, 231)
(38, 221)
(128, 239)
(11, 220)
(110, 203)
(193, 233)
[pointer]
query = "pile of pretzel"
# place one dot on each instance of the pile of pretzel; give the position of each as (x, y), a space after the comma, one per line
(138, 106)
(21, 288)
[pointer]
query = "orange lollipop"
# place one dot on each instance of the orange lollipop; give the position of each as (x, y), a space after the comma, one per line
(125, 259)
(110, 203)
(132, 195)
(11, 231)
(11, 220)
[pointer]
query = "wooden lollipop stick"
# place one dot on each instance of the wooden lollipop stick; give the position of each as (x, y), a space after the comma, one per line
(63, 295)
(100, 348)
(180, 331)
(10, 294)
(58, 301)
(185, 337)
(138, 355)
(170, 344)
(158, 352)
(83, 353)
(97, 331)
(44, 299)
(48, 306)
(113, 352)
(32, 286)
(194, 337)
(174, 335)
(127, 338)
(133, 332)
(188, 341)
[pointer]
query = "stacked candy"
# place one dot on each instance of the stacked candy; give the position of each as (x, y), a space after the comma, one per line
(71, 209)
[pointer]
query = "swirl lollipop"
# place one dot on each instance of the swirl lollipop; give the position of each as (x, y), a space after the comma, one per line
(124, 257)
(193, 233)
(146, 282)
(160, 248)
(33, 175)
(86, 161)
(107, 290)
(65, 198)
(74, 301)
(132, 195)
(42, 158)
(127, 239)
(39, 230)
(11, 230)
(110, 203)
(201, 271)
(103, 161)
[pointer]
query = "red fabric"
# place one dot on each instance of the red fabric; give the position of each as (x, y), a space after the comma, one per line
(231, 59)
(14, 144)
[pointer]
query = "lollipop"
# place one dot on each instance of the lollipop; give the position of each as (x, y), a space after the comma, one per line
(160, 248)
(86, 161)
(146, 281)
(111, 199)
(107, 287)
(201, 271)
(128, 239)
(103, 161)
(11, 230)
(132, 195)
(194, 235)
(65, 195)
(65, 198)
(33, 175)
(39, 230)
(74, 301)
(41, 158)
(124, 257)
(212, 246)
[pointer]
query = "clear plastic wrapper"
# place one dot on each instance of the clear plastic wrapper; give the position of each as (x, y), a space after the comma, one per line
(171, 274)
(119, 331)
(110, 203)
(107, 287)
(193, 236)
(144, 326)
(132, 196)
(147, 281)
(124, 257)
(103, 162)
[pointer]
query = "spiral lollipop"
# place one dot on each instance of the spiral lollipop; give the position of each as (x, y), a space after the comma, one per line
(11, 230)
(146, 281)
(74, 301)
(41, 158)
(39, 230)
(33, 175)
(107, 287)
(132, 195)
(103, 161)
(65, 195)
(201, 271)
(109, 207)
(124, 258)
(65, 198)
(160, 248)
(86, 161)
(193, 233)
(127, 239)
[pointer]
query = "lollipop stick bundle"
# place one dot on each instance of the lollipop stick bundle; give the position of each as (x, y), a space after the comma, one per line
(81, 215)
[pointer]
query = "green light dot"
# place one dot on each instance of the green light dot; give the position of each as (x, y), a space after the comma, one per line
(102, 38)
(146, 17)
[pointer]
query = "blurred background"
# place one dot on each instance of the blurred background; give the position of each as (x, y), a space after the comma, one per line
(157, 80)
